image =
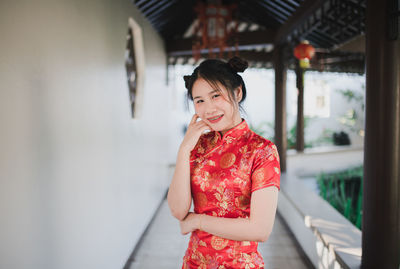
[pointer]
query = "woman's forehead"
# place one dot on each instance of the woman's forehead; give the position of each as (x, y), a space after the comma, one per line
(201, 93)
(202, 87)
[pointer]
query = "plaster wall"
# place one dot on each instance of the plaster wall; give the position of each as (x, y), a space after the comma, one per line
(79, 178)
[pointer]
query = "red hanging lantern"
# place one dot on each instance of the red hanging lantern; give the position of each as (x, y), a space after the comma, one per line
(304, 52)
(215, 28)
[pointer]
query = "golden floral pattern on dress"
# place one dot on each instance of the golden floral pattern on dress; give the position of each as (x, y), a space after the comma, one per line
(258, 175)
(202, 243)
(249, 261)
(242, 201)
(214, 139)
(274, 153)
(277, 171)
(201, 199)
(219, 243)
(202, 179)
(225, 198)
(246, 243)
(224, 172)
(227, 160)
(200, 150)
(211, 163)
(229, 139)
(243, 149)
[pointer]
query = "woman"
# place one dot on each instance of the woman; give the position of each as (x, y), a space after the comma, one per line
(231, 173)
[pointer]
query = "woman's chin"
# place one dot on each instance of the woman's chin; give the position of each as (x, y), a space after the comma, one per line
(213, 127)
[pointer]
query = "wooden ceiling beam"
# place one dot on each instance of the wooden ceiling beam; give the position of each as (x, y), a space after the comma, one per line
(147, 5)
(180, 21)
(277, 9)
(275, 14)
(318, 40)
(326, 62)
(356, 44)
(251, 56)
(160, 5)
(256, 14)
(256, 56)
(158, 12)
(245, 40)
(303, 12)
(287, 6)
(293, 3)
(139, 2)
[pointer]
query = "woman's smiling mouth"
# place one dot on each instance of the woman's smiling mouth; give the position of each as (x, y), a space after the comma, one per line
(215, 119)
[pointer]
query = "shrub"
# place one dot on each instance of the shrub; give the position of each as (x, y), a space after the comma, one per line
(344, 191)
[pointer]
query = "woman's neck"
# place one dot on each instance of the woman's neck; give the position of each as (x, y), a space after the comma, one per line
(236, 123)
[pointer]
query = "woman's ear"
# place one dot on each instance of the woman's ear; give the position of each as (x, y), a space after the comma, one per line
(238, 93)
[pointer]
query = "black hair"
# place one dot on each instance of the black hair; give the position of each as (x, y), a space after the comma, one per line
(226, 73)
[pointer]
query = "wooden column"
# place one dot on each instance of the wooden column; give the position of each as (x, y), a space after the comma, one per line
(381, 198)
(300, 109)
(280, 105)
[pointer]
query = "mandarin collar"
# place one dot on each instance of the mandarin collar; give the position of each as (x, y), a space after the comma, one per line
(234, 133)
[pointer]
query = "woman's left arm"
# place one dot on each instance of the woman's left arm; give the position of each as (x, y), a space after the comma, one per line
(257, 227)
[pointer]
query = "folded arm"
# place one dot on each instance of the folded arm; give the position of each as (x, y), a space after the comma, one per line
(256, 228)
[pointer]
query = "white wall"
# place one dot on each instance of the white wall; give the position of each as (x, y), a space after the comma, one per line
(339, 105)
(79, 178)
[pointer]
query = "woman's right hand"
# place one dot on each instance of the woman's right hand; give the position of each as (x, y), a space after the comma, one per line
(193, 133)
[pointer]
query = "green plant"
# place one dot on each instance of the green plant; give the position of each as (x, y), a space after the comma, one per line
(343, 190)
(325, 138)
(353, 96)
(350, 118)
(265, 129)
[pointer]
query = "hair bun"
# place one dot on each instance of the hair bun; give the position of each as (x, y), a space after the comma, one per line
(238, 64)
(188, 80)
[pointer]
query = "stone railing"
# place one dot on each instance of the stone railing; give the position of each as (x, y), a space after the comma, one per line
(329, 240)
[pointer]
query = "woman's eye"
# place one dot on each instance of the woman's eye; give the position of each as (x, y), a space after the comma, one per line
(216, 95)
(198, 101)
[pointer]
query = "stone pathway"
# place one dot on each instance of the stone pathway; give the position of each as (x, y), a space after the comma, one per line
(164, 246)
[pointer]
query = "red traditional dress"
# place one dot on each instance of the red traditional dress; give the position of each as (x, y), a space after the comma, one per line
(224, 172)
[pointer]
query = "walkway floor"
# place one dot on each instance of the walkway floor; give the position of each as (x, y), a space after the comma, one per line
(164, 247)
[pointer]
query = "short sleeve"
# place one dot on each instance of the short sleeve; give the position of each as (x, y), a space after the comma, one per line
(266, 169)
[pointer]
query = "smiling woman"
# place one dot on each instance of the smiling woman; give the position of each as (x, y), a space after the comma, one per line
(231, 173)
(214, 107)
(217, 92)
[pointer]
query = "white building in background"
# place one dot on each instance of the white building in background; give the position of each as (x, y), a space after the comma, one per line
(324, 104)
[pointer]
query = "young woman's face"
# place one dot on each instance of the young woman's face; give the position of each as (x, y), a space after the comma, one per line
(214, 107)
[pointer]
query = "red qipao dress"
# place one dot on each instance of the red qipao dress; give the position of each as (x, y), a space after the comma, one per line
(224, 172)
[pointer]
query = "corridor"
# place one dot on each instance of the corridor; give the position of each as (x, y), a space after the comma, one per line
(164, 247)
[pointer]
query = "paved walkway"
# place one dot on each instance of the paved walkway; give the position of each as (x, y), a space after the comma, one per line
(164, 247)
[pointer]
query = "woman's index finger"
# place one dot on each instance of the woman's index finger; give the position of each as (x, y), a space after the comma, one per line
(194, 118)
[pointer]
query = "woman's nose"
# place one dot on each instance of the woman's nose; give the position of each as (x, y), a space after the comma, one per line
(210, 108)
